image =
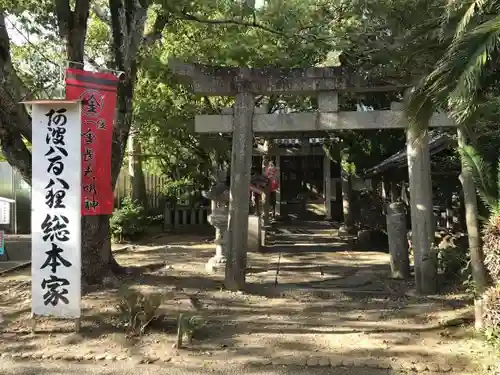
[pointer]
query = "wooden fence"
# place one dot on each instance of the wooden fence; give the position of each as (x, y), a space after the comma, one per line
(154, 186)
(186, 218)
(180, 218)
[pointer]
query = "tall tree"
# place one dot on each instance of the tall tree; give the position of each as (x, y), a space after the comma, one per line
(127, 23)
(459, 83)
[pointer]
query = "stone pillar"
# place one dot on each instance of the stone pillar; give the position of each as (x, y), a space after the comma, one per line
(218, 219)
(241, 165)
(277, 208)
(266, 198)
(327, 186)
(422, 217)
(328, 102)
(346, 197)
(398, 243)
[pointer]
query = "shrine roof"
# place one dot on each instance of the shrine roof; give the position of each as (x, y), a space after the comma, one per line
(437, 143)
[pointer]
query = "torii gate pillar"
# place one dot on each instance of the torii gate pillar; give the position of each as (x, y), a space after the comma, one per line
(241, 165)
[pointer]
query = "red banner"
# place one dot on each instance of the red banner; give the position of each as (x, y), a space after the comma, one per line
(98, 94)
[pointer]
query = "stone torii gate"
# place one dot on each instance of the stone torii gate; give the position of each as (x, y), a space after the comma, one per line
(243, 121)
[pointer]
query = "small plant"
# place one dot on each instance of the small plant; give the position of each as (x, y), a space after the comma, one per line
(128, 222)
(191, 326)
(492, 338)
(137, 310)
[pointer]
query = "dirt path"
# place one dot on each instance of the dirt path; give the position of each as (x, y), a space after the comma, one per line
(44, 368)
(329, 303)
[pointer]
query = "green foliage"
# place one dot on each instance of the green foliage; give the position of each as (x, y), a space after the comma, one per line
(129, 221)
(288, 34)
(137, 310)
(41, 71)
(165, 114)
(491, 308)
(491, 247)
(176, 191)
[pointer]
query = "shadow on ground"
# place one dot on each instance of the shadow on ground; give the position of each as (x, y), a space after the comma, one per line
(302, 300)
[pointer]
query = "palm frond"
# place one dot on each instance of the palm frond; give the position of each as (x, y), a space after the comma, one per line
(482, 173)
(475, 49)
(456, 80)
(474, 8)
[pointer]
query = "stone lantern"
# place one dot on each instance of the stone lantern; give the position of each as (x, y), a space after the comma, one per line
(219, 195)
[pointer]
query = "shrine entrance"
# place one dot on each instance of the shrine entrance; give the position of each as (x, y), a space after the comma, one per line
(244, 121)
(292, 188)
(302, 187)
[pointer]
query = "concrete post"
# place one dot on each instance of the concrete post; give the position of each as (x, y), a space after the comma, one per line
(241, 164)
(327, 187)
(422, 217)
(398, 243)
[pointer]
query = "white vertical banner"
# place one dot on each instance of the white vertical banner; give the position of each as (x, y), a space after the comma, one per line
(56, 208)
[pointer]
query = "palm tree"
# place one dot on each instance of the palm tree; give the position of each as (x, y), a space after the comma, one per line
(458, 84)
(488, 188)
(489, 191)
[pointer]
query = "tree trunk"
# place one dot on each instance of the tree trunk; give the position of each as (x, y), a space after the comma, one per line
(135, 171)
(127, 24)
(15, 122)
(97, 258)
(476, 253)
